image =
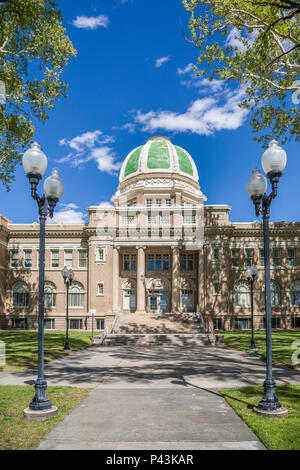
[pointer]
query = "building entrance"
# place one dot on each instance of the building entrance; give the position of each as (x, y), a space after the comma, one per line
(158, 301)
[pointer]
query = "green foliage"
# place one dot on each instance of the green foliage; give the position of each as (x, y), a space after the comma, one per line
(34, 49)
(262, 57)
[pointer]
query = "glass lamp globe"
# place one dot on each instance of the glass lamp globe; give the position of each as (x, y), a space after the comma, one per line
(274, 158)
(254, 270)
(34, 160)
(64, 272)
(248, 273)
(71, 275)
(256, 184)
(53, 185)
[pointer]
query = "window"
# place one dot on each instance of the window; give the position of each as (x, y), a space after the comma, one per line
(100, 288)
(216, 255)
(28, 258)
(275, 295)
(14, 258)
(158, 203)
(55, 259)
(295, 293)
(49, 324)
(218, 324)
(296, 322)
(187, 262)
(82, 258)
(235, 257)
(19, 323)
(20, 295)
(189, 219)
(168, 203)
(129, 300)
(242, 294)
(50, 295)
(100, 323)
(75, 324)
(291, 257)
(150, 262)
(216, 285)
(76, 295)
(249, 257)
(165, 262)
(158, 262)
(129, 262)
(242, 323)
(69, 258)
(165, 219)
(100, 255)
(187, 299)
(261, 257)
(151, 219)
(128, 220)
(277, 257)
(149, 202)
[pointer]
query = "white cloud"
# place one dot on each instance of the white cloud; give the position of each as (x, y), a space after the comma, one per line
(91, 146)
(91, 22)
(203, 117)
(68, 215)
(204, 85)
(159, 62)
(105, 204)
(236, 40)
(187, 69)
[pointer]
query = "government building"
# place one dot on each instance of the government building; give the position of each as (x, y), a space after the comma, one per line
(159, 248)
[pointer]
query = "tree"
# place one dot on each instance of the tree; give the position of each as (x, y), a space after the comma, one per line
(255, 44)
(34, 49)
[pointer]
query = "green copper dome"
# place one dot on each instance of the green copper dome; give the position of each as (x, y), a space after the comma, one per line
(158, 155)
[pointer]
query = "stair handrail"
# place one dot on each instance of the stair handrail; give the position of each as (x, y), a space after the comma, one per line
(103, 336)
(211, 333)
(200, 319)
(115, 322)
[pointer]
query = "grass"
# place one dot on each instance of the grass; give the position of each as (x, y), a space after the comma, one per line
(17, 433)
(22, 347)
(275, 433)
(281, 341)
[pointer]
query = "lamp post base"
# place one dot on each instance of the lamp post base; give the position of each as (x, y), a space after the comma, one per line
(67, 347)
(279, 413)
(39, 415)
(252, 347)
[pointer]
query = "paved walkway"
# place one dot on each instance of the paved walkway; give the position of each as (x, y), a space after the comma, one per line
(155, 398)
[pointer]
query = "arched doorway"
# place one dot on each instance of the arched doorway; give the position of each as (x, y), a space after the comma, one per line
(158, 296)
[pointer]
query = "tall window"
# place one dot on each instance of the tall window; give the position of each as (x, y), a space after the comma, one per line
(100, 288)
(49, 324)
(128, 220)
(129, 262)
(165, 262)
(242, 323)
(277, 257)
(295, 293)
(189, 219)
(69, 258)
(242, 294)
(82, 258)
(165, 219)
(261, 257)
(216, 285)
(216, 255)
(168, 202)
(158, 203)
(50, 295)
(14, 256)
(20, 294)
(149, 202)
(249, 256)
(28, 258)
(100, 323)
(76, 295)
(151, 219)
(235, 257)
(158, 262)
(291, 256)
(75, 324)
(187, 262)
(275, 295)
(54, 259)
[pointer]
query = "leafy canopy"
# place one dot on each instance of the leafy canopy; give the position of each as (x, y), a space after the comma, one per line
(34, 49)
(255, 44)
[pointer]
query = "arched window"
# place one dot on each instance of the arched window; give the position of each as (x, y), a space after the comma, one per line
(76, 295)
(295, 293)
(20, 294)
(50, 295)
(242, 294)
(275, 295)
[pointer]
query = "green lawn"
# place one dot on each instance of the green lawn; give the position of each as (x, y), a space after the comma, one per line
(17, 433)
(22, 347)
(281, 341)
(275, 433)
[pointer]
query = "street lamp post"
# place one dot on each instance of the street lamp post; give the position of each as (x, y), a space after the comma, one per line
(273, 162)
(251, 275)
(68, 276)
(35, 165)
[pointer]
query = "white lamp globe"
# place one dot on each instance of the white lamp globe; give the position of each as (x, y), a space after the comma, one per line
(248, 273)
(256, 184)
(274, 158)
(34, 160)
(53, 185)
(254, 270)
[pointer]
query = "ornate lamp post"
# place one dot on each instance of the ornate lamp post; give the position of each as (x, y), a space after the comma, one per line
(251, 275)
(273, 162)
(35, 165)
(68, 276)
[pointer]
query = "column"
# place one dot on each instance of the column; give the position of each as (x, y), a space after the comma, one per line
(175, 278)
(201, 282)
(141, 294)
(115, 286)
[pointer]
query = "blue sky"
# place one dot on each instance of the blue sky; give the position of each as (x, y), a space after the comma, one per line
(132, 79)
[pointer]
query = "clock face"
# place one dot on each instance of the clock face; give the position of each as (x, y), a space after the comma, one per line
(2, 92)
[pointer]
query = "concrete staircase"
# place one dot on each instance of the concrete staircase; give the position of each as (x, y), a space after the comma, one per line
(180, 339)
